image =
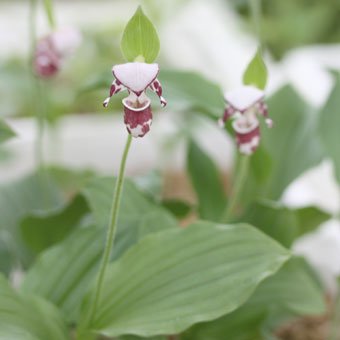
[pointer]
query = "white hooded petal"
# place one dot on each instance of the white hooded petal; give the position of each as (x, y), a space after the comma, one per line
(136, 76)
(244, 97)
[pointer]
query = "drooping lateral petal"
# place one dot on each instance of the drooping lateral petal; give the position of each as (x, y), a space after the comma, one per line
(156, 87)
(116, 87)
(136, 76)
(228, 113)
(244, 97)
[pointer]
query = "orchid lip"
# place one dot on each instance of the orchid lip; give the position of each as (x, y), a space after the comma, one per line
(127, 103)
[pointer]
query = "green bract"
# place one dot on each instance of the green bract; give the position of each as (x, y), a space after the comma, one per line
(256, 72)
(140, 40)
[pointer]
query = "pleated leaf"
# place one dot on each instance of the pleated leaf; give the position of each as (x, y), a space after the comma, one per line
(5, 132)
(25, 317)
(62, 274)
(176, 278)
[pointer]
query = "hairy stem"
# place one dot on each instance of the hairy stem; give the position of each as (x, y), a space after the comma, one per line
(111, 230)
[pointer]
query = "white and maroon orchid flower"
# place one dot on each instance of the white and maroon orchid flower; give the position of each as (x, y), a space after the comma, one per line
(52, 50)
(136, 78)
(244, 106)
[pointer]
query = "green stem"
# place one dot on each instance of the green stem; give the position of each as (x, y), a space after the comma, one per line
(255, 8)
(238, 187)
(111, 230)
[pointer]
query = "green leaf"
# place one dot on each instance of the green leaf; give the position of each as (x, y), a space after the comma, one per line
(42, 230)
(34, 193)
(292, 141)
(290, 292)
(140, 39)
(256, 73)
(189, 91)
(48, 5)
(178, 208)
(275, 220)
(63, 273)
(5, 132)
(207, 183)
(27, 317)
(173, 279)
(328, 126)
(310, 218)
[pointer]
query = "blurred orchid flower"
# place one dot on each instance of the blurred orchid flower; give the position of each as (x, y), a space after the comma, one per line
(136, 77)
(244, 105)
(52, 50)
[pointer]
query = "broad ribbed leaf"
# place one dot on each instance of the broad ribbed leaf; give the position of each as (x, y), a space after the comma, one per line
(42, 230)
(290, 292)
(34, 193)
(190, 91)
(25, 317)
(5, 132)
(63, 273)
(207, 183)
(173, 279)
(256, 73)
(292, 142)
(140, 38)
(329, 126)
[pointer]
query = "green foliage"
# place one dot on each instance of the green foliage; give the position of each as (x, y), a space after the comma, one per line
(189, 91)
(42, 230)
(27, 317)
(140, 39)
(207, 183)
(292, 143)
(289, 293)
(63, 273)
(5, 132)
(256, 73)
(178, 277)
(178, 208)
(48, 5)
(328, 126)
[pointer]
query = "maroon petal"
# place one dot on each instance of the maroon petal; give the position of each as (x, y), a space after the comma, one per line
(137, 120)
(248, 141)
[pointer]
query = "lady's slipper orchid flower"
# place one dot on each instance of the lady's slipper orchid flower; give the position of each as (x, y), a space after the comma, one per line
(136, 78)
(244, 105)
(53, 49)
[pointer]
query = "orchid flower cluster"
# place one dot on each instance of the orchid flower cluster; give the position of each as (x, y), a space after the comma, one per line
(52, 50)
(136, 78)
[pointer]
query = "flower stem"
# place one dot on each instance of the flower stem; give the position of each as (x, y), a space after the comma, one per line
(238, 187)
(111, 230)
(255, 8)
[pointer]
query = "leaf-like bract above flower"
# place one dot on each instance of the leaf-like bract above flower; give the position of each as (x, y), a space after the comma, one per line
(140, 39)
(256, 73)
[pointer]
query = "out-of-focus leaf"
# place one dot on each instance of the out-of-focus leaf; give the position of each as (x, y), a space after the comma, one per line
(63, 273)
(150, 184)
(291, 292)
(292, 143)
(256, 73)
(48, 5)
(310, 218)
(275, 220)
(29, 318)
(32, 194)
(177, 207)
(42, 230)
(206, 182)
(173, 279)
(328, 127)
(140, 38)
(189, 91)
(5, 132)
